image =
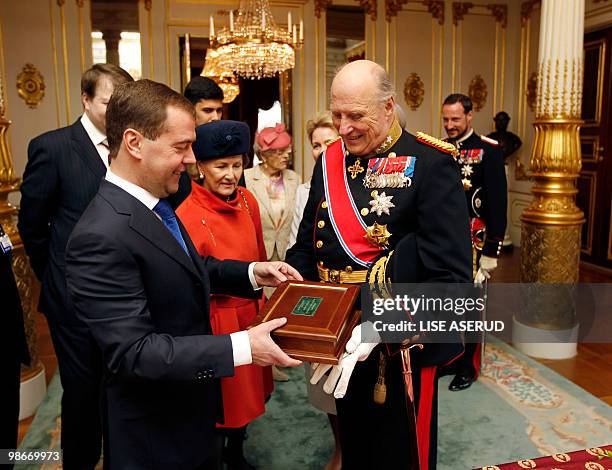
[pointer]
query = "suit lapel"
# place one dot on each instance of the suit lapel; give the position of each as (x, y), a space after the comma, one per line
(86, 150)
(149, 226)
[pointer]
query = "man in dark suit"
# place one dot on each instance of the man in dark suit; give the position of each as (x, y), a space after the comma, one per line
(136, 279)
(62, 176)
(13, 346)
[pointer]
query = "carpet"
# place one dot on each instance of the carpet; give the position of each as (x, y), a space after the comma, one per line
(517, 409)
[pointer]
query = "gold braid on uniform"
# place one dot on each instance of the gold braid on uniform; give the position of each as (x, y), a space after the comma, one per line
(445, 147)
(379, 284)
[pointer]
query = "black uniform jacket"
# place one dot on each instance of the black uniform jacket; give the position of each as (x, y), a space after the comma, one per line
(481, 163)
(428, 225)
(147, 305)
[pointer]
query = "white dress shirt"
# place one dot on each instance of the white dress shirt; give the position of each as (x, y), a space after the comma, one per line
(241, 346)
(98, 139)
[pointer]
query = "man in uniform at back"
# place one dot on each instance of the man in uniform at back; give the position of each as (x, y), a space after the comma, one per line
(383, 204)
(484, 181)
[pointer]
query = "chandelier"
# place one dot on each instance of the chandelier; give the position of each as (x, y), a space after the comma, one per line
(225, 78)
(255, 47)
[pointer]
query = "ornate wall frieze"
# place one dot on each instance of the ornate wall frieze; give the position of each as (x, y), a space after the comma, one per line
(527, 9)
(414, 91)
(320, 6)
(435, 7)
(460, 9)
(80, 3)
(148, 4)
(477, 92)
(31, 85)
(61, 3)
(369, 6)
(499, 12)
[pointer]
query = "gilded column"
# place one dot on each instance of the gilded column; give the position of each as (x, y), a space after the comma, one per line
(32, 378)
(551, 225)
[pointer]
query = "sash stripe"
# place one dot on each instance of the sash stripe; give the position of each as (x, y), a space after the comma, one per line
(343, 213)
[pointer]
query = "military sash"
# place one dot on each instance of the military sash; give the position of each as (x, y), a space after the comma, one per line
(344, 216)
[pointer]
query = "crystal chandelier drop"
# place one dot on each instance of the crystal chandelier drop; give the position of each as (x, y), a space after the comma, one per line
(225, 78)
(255, 47)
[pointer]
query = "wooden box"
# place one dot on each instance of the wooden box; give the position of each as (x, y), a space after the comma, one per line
(320, 319)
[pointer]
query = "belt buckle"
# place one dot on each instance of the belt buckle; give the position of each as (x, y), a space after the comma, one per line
(334, 275)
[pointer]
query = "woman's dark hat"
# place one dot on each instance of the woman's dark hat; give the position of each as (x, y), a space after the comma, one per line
(218, 139)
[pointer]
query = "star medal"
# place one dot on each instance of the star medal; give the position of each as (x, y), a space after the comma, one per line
(467, 170)
(381, 203)
(467, 184)
(378, 234)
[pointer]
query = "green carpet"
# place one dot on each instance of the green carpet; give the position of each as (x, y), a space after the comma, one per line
(517, 409)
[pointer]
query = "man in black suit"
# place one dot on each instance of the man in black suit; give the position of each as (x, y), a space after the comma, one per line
(13, 346)
(62, 176)
(136, 279)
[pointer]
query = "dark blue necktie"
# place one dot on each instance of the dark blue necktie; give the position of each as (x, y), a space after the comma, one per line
(164, 210)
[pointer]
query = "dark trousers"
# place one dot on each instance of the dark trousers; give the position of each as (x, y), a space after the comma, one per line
(379, 436)
(80, 366)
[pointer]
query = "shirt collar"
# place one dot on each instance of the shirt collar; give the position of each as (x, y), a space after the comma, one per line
(92, 131)
(466, 136)
(139, 193)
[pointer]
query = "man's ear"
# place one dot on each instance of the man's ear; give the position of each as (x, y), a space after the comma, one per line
(132, 139)
(85, 100)
(469, 116)
(390, 107)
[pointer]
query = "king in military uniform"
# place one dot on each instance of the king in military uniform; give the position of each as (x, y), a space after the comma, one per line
(481, 162)
(384, 206)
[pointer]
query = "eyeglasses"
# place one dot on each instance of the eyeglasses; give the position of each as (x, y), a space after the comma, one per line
(278, 152)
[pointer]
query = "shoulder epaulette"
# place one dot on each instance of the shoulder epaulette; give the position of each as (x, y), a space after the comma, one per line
(331, 141)
(445, 147)
(489, 140)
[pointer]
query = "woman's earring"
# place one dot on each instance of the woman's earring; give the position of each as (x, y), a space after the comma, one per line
(200, 174)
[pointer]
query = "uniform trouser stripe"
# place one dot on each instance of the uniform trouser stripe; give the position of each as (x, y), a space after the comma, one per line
(428, 382)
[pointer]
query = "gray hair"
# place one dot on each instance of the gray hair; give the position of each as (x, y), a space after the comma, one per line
(384, 88)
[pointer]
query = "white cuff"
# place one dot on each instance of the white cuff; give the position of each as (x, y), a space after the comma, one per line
(252, 276)
(241, 348)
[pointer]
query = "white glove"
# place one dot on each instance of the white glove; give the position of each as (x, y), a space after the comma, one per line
(487, 266)
(340, 374)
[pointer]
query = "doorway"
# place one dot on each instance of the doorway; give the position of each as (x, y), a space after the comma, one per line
(595, 180)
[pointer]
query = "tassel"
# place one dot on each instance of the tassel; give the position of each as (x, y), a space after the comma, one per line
(380, 388)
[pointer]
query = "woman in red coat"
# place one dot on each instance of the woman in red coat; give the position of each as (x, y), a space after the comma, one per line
(223, 221)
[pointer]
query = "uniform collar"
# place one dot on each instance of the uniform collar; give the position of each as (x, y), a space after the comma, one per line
(465, 137)
(392, 137)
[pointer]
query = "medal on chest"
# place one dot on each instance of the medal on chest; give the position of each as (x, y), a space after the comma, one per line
(389, 172)
(467, 158)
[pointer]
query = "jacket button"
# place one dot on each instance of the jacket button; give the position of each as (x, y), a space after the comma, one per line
(319, 244)
(324, 204)
(364, 211)
(321, 223)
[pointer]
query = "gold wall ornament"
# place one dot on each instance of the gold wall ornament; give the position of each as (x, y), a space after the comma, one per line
(321, 6)
(414, 91)
(435, 7)
(31, 85)
(369, 7)
(527, 9)
(460, 9)
(532, 91)
(499, 12)
(477, 92)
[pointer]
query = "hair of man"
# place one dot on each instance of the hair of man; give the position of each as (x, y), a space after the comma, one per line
(142, 106)
(384, 87)
(203, 88)
(465, 101)
(91, 76)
